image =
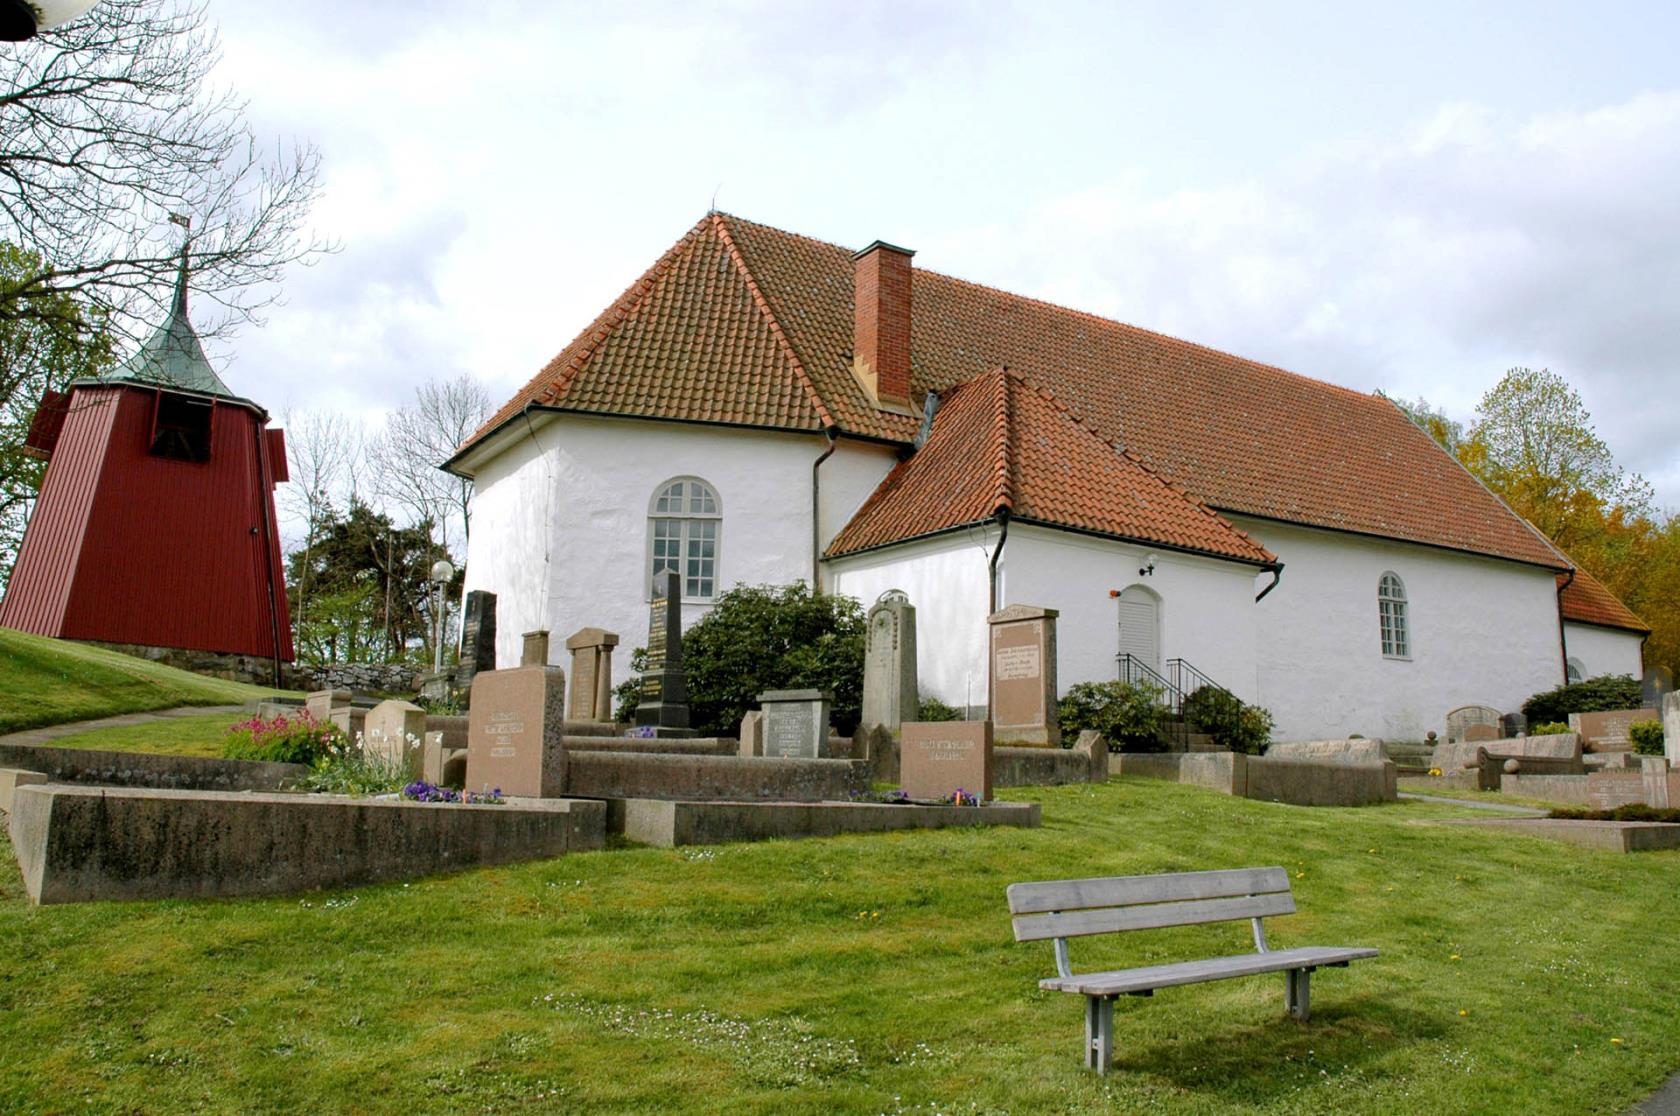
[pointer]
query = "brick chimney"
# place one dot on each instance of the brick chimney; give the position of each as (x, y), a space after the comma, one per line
(881, 326)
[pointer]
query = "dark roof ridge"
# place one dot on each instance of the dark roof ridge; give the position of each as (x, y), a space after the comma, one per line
(1090, 315)
(721, 225)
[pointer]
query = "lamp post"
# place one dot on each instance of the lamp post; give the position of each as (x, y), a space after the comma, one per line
(442, 571)
(24, 19)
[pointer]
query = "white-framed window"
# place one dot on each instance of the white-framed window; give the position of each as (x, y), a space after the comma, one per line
(1391, 617)
(684, 522)
(1575, 671)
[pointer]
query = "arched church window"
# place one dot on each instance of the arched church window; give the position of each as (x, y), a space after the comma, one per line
(683, 526)
(1391, 615)
(1576, 671)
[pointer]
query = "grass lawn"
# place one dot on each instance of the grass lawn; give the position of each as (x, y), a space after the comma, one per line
(867, 974)
(176, 736)
(51, 681)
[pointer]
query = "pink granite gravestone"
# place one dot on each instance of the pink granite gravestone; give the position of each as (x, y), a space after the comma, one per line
(939, 758)
(514, 738)
(1023, 676)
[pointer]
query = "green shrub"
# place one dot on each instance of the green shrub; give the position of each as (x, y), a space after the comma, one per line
(1128, 714)
(767, 637)
(298, 738)
(932, 709)
(1549, 728)
(356, 771)
(1232, 724)
(1647, 737)
(629, 693)
(1612, 691)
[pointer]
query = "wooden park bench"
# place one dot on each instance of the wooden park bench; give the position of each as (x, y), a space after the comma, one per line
(1063, 909)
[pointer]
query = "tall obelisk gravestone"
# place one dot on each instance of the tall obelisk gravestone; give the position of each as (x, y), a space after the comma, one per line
(663, 706)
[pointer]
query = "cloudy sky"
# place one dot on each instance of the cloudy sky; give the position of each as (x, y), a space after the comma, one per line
(1414, 200)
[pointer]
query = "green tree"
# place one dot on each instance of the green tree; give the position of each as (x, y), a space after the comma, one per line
(767, 637)
(370, 599)
(37, 355)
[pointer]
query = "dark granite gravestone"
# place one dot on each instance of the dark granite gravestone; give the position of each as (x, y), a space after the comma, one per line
(1657, 684)
(1513, 725)
(663, 705)
(478, 637)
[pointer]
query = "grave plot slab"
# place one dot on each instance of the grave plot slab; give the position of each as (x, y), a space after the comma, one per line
(1611, 836)
(669, 824)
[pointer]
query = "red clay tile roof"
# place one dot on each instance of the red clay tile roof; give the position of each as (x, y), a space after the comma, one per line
(1587, 600)
(1001, 442)
(743, 323)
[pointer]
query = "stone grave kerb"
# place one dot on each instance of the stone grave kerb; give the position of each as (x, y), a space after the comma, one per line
(1021, 679)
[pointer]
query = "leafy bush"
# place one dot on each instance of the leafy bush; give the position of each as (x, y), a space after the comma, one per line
(932, 709)
(299, 738)
(1634, 811)
(1128, 714)
(629, 693)
(1647, 737)
(1549, 728)
(1611, 691)
(1225, 717)
(768, 637)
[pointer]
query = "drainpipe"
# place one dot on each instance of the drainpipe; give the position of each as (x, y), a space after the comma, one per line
(997, 552)
(1563, 634)
(816, 512)
(1277, 576)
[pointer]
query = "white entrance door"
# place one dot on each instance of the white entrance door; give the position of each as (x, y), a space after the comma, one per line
(1140, 626)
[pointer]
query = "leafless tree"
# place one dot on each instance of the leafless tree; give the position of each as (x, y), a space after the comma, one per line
(108, 125)
(417, 439)
(324, 454)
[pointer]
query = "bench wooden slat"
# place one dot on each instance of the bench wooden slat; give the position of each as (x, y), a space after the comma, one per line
(1123, 981)
(1105, 920)
(1122, 891)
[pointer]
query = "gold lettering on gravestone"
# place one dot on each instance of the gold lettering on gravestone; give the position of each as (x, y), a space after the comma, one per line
(656, 634)
(1017, 662)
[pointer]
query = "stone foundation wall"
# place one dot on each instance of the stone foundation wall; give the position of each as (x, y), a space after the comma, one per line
(250, 669)
(379, 678)
(648, 775)
(76, 844)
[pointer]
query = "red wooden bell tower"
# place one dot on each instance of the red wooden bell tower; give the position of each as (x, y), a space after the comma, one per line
(155, 523)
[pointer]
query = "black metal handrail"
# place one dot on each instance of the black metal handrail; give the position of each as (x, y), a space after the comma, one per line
(1134, 670)
(1186, 679)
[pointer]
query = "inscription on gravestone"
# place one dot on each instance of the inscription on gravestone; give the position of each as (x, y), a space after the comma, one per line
(664, 688)
(796, 723)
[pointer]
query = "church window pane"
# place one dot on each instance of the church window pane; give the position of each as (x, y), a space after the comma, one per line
(1391, 617)
(685, 520)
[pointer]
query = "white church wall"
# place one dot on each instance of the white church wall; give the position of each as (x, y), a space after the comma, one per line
(592, 479)
(1206, 607)
(1482, 631)
(946, 579)
(1604, 650)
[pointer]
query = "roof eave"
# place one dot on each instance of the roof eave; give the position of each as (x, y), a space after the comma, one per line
(1153, 544)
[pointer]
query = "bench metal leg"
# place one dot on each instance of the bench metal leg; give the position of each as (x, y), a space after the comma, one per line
(1099, 1033)
(1298, 992)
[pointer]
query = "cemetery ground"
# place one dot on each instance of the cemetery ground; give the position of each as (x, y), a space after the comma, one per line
(51, 681)
(867, 974)
(193, 735)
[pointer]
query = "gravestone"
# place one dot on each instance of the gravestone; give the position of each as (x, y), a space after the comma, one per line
(938, 758)
(1657, 684)
(752, 733)
(1513, 725)
(890, 696)
(396, 731)
(590, 698)
(515, 736)
(1460, 720)
(1671, 728)
(533, 650)
(1607, 790)
(1477, 733)
(1662, 786)
(1022, 680)
(663, 705)
(1608, 731)
(478, 637)
(321, 704)
(796, 723)
(441, 764)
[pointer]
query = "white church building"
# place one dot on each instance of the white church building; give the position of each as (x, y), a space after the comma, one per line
(761, 407)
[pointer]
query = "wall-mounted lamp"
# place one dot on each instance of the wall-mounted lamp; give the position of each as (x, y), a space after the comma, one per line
(1148, 567)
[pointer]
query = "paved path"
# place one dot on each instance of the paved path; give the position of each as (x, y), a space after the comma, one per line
(54, 732)
(1663, 1102)
(1496, 807)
